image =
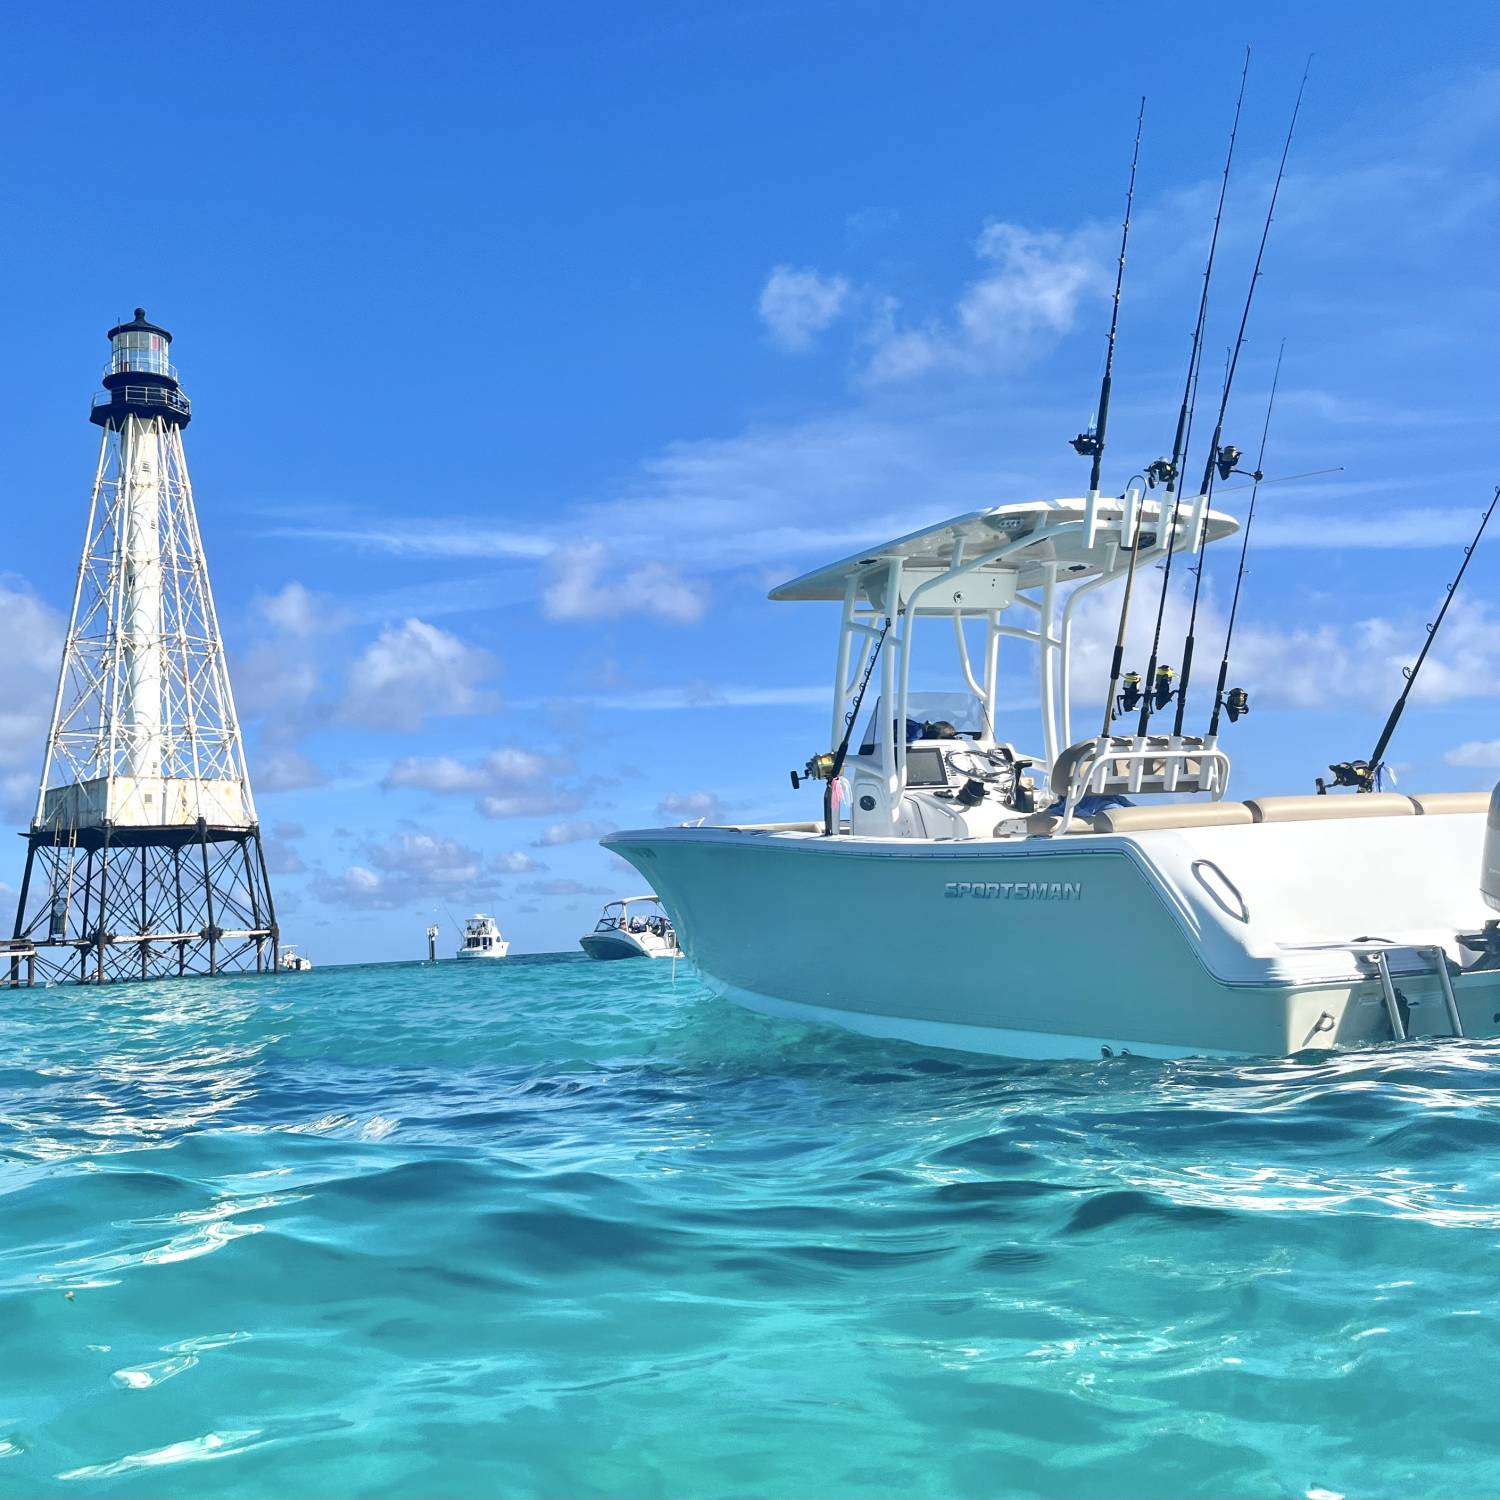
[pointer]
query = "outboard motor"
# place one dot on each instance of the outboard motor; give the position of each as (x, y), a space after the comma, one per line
(1486, 944)
(1489, 870)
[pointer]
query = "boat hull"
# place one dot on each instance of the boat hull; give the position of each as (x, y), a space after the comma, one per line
(491, 955)
(611, 945)
(1078, 946)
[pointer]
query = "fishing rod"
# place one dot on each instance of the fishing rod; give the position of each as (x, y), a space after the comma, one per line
(1090, 444)
(1222, 459)
(829, 766)
(1135, 551)
(1282, 478)
(1170, 469)
(1238, 702)
(1364, 775)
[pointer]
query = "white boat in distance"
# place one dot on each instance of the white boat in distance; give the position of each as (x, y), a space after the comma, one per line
(636, 927)
(482, 939)
(294, 962)
(938, 905)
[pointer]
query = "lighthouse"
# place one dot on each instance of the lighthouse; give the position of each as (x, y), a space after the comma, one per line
(144, 856)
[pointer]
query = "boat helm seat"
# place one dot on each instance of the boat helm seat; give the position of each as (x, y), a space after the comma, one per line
(1317, 809)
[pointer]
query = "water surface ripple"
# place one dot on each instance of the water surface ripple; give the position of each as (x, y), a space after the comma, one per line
(553, 1228)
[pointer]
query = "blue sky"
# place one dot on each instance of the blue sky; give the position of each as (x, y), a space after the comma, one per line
(529, 346)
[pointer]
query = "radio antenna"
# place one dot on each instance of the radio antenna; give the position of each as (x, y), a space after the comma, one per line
(1224, 459)
(1170, 470)
(1240, 703)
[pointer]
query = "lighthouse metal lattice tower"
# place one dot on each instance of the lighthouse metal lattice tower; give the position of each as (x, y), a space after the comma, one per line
(144, 857)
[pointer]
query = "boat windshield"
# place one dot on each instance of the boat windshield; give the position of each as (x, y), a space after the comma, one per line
(962, 710)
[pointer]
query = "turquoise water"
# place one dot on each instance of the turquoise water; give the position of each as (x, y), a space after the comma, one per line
(553, 1228)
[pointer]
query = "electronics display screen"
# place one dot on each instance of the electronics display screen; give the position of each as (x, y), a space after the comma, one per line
(925, 768)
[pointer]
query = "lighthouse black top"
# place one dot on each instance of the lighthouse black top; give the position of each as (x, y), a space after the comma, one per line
(140, 380)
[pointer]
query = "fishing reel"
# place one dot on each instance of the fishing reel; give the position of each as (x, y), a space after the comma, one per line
(1163, 690)
(819, 768)
(1087, 444)
(1163, 471)
(1226, 459)
(1358, 775)
(1130, 694)
(1236, 704)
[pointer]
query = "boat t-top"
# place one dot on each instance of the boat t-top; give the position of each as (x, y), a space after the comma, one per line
(636, 927)
(482, 938)
(983, 877)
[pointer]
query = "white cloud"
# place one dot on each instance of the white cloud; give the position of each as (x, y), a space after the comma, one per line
(506, 783)
(1307, 666)
(507, 767)
(1028, 299)
(296, 611)
(586, 585)
(797, 305)
(1481, 754)
(279, 767)
(411, 868)
(414, 670)
(517, 862)
(569, 833)
(28, 680)
(537, 804)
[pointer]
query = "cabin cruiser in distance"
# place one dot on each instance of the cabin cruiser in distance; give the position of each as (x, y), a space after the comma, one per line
(966, 892)
(482, 939)
(294, 962)
(636, 927)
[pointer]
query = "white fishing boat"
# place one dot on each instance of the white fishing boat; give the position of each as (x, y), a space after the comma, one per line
(636, 927)
(482, 939)
(967, 891)
(293, 961)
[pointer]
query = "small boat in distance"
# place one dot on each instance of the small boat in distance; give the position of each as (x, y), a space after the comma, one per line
(293, 962)
(634, 928)
(482, 939)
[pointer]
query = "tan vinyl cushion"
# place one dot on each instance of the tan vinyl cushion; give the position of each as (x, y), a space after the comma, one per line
(1335, 805)
(1171, 815)
(1046, 823)
(1451, 802)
